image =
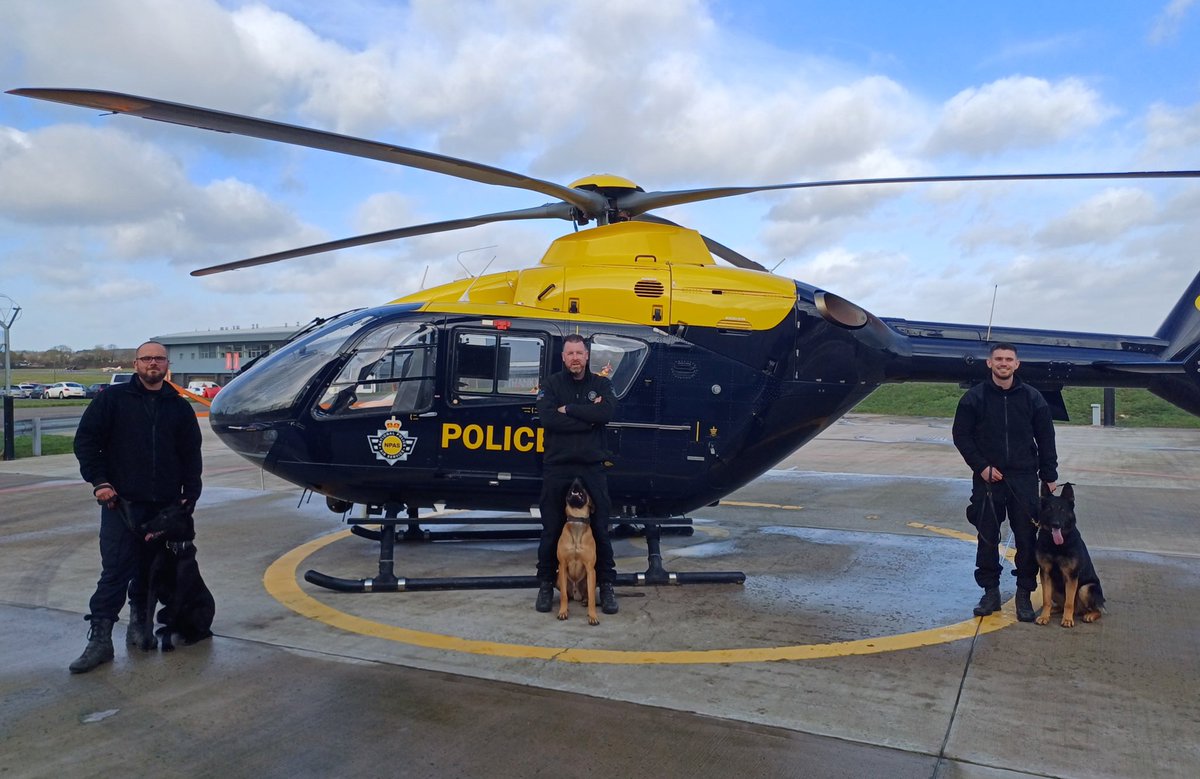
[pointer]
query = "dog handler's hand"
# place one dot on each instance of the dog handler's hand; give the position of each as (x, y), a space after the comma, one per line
(106, 495)
(1051, 486)
(991, 474)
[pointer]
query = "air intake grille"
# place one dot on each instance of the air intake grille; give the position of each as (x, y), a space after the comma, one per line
(649, 288)
(684, 369)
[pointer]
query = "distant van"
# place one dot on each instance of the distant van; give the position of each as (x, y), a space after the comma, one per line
(118, 378)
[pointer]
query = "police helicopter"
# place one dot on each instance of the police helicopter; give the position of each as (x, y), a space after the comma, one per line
(720, 371)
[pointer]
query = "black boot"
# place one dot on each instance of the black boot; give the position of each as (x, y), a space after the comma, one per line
(99, 648)
(608, 598)
(545, 596)
(989, 602)
(1024, 607)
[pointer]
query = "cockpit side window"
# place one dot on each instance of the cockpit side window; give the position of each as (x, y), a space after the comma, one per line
(391, 370)
(494, 365)
(618, 359)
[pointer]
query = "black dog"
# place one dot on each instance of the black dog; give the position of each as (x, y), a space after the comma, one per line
(174, 580)
(1069, 580)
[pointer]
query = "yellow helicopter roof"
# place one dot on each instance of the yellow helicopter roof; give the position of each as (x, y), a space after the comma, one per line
(637, 272)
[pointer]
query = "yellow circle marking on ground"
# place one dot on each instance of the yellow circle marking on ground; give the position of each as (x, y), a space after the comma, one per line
(281, 583)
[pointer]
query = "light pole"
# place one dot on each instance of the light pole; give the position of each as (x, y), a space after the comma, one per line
(9, 311)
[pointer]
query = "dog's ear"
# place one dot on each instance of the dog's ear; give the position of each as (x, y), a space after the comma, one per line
(1068, 492)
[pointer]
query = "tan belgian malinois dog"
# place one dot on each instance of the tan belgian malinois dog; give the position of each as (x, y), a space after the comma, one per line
(577, 554)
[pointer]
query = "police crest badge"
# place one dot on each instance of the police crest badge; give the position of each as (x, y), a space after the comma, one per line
(392, 444)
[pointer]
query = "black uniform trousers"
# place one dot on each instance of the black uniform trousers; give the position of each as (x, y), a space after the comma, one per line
(1014, 498)
(124, 562)
(556, 480)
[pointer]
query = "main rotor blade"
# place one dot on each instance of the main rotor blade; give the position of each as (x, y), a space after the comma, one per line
(548, 211)
(590, 203)
(634, 203)
(721, 250)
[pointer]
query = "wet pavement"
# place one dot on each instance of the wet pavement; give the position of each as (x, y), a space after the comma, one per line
(849, 651)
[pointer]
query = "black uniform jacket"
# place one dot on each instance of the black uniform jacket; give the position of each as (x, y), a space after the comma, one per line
(145, 444)
(576, 437)
(1010, 429)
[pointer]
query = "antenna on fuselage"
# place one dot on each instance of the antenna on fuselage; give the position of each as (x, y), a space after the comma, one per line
(991, 314)
(458, 258)
(463, 298)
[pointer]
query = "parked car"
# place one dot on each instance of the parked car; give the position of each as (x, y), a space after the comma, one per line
(94, 389)
(205, 389)
(15, 390)
(36, 390)
(65, 389)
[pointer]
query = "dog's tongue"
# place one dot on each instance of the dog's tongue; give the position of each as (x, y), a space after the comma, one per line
(1058, 539)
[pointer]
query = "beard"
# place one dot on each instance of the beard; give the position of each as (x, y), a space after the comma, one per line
(152, 377)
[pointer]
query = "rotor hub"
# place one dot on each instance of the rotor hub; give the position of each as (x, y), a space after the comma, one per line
(611, 187)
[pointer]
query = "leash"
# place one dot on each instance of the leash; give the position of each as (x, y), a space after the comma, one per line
(1020, 503)
(990, 506)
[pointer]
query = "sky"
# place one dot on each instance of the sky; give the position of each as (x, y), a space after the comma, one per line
(103, 217)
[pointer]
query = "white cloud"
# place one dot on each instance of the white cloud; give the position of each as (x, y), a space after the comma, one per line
(1170, 19)
(1173, 133)
(1016, 112)
(186, 50)
(666, 93)
(69, 174)
(1103, 217)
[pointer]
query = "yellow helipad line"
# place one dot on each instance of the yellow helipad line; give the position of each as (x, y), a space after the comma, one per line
(281, 583)
(748, 504)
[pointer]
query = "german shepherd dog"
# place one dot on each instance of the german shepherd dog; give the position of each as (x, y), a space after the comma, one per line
(174, 580)
(1069, 580)
(577, 554)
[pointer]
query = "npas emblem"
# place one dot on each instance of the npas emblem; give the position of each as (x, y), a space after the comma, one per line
(392, 444)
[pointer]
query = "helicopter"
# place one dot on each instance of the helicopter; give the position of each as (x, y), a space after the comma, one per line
(720, 371)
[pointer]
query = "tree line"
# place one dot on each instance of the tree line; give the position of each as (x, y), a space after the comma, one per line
(62, 356)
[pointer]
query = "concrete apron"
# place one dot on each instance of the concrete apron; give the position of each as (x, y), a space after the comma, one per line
(850, 650)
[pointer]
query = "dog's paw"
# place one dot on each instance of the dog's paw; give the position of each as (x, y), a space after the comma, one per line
(593, 620)
(563, 614)
(168, 646)
(1091, 616)
(149, 644)
(1043, 619)
(1068, 622)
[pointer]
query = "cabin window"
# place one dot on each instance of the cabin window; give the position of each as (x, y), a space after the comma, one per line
(390, 371)
(490, 363)
(618, 359)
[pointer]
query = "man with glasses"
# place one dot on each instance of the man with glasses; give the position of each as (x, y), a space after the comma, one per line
(138, 444)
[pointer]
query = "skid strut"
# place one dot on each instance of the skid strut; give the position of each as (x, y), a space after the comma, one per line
(390, 532)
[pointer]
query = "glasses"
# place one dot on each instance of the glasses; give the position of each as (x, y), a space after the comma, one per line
(152, 359)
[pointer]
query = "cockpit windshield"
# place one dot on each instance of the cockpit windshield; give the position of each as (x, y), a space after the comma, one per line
(278, 381)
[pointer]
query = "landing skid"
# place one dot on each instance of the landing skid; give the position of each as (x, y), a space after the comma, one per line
(390, 532)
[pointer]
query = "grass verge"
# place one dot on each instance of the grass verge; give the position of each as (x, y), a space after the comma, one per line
(1135, 407)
